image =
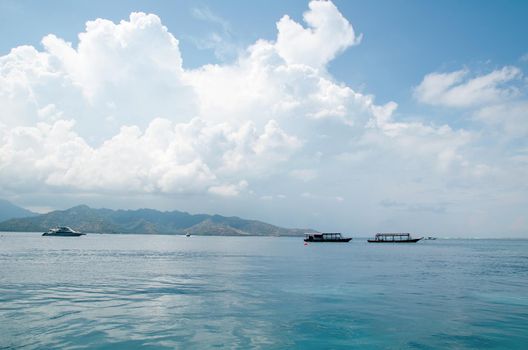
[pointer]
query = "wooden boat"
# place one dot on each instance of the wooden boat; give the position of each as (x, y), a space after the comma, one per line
(394, 238)
(333, 237)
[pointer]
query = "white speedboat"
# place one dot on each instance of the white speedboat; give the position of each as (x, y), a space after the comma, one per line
(62, 231)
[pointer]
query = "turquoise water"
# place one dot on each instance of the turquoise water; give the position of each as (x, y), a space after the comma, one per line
(156, 292)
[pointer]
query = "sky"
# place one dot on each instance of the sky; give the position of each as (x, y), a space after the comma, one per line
(358, 117)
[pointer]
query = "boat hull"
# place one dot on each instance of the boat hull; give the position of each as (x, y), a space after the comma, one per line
(342, 240)
(414, 240)
(64, 234)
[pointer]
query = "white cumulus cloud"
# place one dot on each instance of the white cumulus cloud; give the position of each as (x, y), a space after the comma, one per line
(328, 34)
(166, 158)
(118, 113)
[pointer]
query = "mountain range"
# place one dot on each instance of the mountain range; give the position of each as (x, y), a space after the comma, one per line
(89, 220)
(9, 211)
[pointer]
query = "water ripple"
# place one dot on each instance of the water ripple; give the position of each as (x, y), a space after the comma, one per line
(165, 293)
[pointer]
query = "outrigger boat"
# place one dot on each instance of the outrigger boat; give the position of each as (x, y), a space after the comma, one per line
(394, 238)
(333, 237)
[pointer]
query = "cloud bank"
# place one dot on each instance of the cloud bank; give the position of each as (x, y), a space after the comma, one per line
(119, 113)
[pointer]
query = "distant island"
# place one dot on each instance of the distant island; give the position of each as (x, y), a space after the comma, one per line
(89, 220)
(10, 211)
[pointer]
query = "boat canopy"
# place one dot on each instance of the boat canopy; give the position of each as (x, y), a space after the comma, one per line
(392, 237)
(324, 234)
(393, 234)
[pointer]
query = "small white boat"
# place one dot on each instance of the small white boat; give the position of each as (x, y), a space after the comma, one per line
(62, 231)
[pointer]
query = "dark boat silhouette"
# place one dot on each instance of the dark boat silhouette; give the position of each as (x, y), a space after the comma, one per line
(333, 237)
(394, 238)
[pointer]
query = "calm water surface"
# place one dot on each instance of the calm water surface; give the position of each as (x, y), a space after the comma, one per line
(141, 291)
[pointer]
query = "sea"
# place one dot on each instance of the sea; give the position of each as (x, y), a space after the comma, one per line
(103, 291)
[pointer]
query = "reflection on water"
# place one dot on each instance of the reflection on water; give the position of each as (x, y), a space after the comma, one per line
(131, 291)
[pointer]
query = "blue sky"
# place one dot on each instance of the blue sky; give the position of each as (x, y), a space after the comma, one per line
(407, 115)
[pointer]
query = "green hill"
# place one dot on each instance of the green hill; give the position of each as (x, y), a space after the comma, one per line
(86, 219)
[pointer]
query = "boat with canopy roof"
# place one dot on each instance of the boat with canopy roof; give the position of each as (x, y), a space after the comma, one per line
(394, 238)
